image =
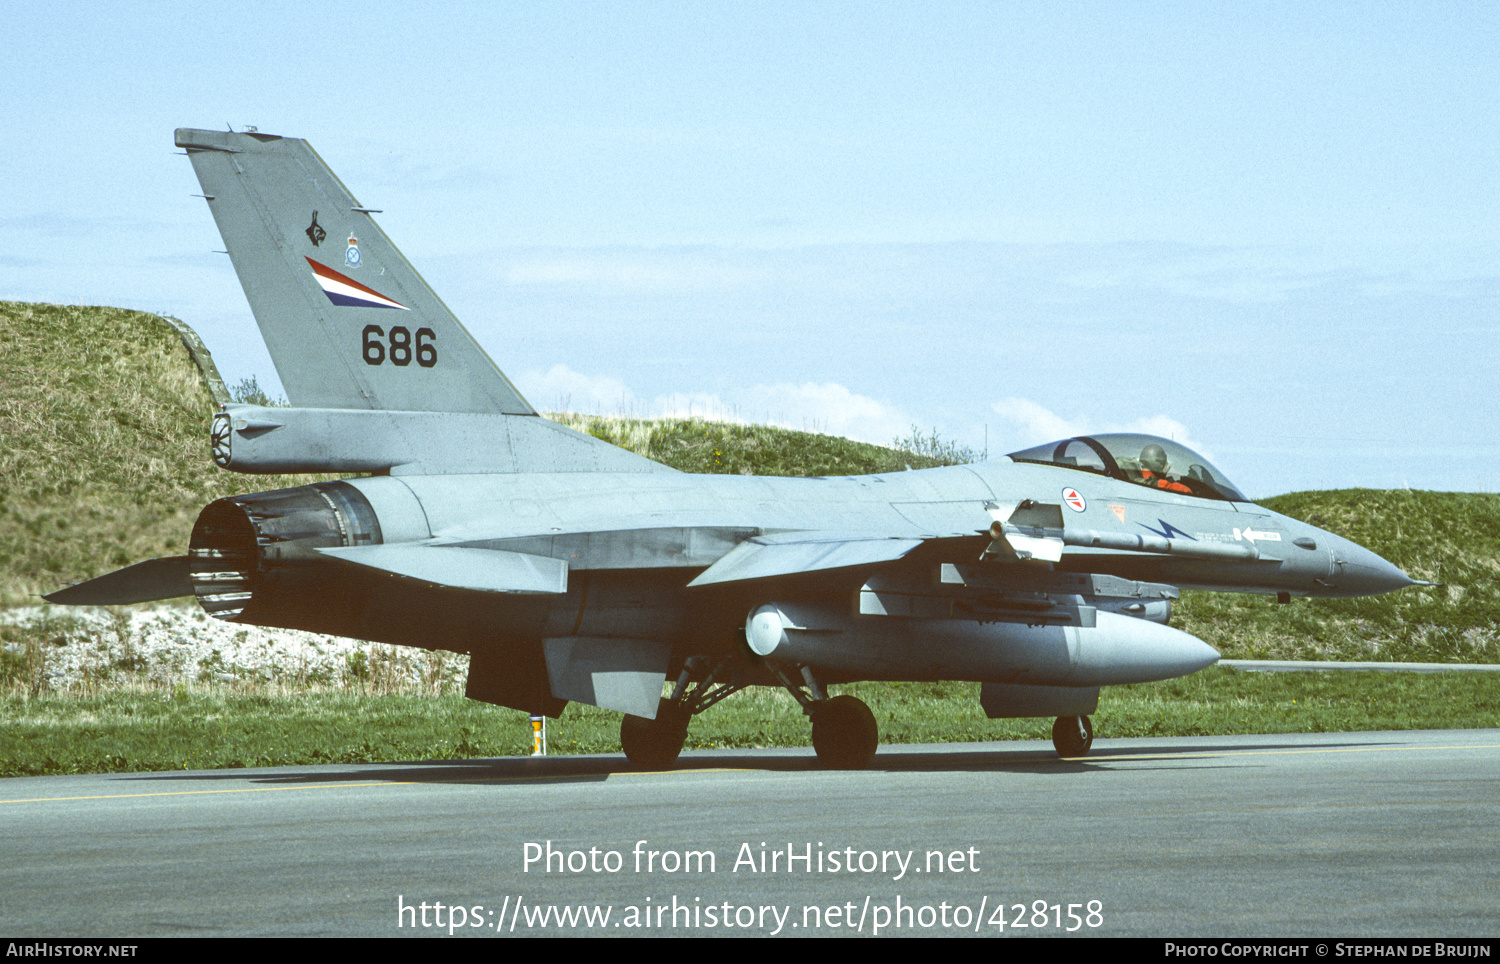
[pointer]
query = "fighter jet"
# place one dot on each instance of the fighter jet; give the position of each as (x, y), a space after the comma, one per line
(569, 569)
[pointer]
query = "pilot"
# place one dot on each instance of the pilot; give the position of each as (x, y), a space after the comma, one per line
(1154, 470)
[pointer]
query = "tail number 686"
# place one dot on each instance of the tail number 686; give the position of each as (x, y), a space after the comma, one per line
(399, 348)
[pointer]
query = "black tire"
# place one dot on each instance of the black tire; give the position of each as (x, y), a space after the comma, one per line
(655, 744)
(1072, 736)
(844, 733)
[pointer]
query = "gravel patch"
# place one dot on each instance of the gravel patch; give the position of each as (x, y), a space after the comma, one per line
(82, 646)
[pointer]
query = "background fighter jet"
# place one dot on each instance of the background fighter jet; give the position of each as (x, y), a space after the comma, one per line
(570, 569)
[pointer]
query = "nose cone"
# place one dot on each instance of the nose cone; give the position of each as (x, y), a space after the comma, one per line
(1359, 572)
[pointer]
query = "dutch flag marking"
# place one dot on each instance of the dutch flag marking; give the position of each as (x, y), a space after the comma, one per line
(343, 290)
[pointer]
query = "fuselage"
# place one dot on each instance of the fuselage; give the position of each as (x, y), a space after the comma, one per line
(1186, 541)
(632, 543)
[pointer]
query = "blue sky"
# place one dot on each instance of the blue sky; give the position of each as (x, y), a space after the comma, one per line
(1269, 230)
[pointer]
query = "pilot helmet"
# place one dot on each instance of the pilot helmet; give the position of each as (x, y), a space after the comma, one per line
(1154, 459)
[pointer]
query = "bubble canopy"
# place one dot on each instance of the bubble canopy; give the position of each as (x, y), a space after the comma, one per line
(1145, 460)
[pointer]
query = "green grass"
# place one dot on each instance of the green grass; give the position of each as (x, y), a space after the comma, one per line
(1447, 537)
(103, 445)
(192, 727)
(728, 448)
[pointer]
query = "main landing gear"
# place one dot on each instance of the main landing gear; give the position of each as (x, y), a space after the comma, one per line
(844, 732)
(1072, 736)
(655, 744)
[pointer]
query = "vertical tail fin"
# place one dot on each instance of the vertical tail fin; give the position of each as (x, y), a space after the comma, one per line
(348, 321)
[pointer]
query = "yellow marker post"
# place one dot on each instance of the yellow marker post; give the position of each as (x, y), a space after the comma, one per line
(538, 735)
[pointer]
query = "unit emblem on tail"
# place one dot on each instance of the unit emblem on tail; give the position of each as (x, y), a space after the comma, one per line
(315, 232)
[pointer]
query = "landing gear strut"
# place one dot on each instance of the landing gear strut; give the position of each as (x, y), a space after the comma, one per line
(1072, 736)
(844, 733)
(656, 744)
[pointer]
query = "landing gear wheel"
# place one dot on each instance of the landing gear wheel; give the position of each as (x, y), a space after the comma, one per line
(844, 733)
(1072, 736)
(654, 744)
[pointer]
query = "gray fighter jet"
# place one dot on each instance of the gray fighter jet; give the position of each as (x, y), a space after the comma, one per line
(570, 569)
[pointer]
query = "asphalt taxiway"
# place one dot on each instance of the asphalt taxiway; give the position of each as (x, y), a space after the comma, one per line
(1388, 834)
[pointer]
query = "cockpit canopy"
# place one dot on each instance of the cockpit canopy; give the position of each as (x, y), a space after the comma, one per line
(1146, 460)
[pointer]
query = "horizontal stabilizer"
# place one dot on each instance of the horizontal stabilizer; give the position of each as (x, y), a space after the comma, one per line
(485, 570)
(787, 554)
(143, 582)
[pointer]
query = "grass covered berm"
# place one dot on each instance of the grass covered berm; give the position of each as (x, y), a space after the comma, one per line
(104, 462)
(104, 446)
(1451, 538)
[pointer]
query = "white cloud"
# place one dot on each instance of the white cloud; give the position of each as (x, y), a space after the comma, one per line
(828, 407)
(695, 405)
(561, 389)
(1036, 424)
